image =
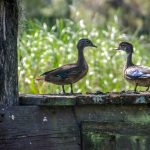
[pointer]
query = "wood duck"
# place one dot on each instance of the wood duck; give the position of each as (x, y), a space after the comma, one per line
(135, 74)
(70, 73)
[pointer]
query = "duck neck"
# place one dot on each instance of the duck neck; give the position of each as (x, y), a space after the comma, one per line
(81, 59)
(129, 60)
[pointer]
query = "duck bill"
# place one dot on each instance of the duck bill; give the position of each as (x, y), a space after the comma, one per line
(94, 46)
(117, 49)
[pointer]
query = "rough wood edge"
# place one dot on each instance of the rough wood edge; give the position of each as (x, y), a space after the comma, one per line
(47, 100)
(121, 128)
(85, 99)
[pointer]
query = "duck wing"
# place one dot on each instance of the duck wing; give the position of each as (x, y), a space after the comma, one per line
(137, 72)
(63, 71)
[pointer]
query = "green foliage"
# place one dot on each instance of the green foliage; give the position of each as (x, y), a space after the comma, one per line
(42, 48)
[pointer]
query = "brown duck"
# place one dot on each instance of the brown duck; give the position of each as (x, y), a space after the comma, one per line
(70, 73)
(137, 75)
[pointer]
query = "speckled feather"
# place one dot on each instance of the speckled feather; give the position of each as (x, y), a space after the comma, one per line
(138, 75)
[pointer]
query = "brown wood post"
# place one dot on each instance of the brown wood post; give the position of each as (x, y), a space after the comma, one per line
(8, 52)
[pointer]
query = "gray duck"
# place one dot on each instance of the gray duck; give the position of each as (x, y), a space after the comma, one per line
(69, 73)
(135, 74)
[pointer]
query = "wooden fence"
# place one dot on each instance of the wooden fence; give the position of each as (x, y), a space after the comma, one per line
(77, 122)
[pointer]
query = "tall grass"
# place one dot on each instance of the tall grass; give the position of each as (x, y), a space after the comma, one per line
(42, 48)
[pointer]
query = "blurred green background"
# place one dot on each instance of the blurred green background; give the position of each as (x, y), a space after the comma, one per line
(50, 29)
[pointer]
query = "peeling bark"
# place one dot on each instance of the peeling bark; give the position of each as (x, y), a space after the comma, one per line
(8, 52)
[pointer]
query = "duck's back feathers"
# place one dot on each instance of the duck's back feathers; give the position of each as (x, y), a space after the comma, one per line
(61, 71)
(66, 74)
(137, 72)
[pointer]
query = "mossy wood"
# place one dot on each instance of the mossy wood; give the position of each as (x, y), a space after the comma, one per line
(75, 122)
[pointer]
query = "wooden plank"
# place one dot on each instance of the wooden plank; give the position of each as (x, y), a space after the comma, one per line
(125, 125)
(117, 135)
(85, 99)
(114, 98)
(39, 127)
(43, 142)
(114, 113)
(116, 128)
(47, 100)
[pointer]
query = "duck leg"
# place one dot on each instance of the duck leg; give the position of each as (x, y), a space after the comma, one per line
(135, 87)
(63, 88)
(147, 88)
(71, 88)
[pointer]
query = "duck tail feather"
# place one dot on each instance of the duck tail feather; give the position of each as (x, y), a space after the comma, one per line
(40, 78)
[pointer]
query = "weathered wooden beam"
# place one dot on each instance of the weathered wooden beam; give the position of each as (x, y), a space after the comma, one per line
(47, 100)
(85, 99)
(115, 98)
(58, 127)
(122, 128)
(8, 52)
(115, 135)
(40, 128)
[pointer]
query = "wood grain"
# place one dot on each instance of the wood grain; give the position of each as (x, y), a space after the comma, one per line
(62, 125)
(85, 99)
(29, 127)
(8, 52)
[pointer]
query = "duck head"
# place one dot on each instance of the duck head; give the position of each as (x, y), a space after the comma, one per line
(125, 46)
(82, 43)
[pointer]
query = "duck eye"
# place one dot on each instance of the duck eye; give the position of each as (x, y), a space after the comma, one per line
(122, 45)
